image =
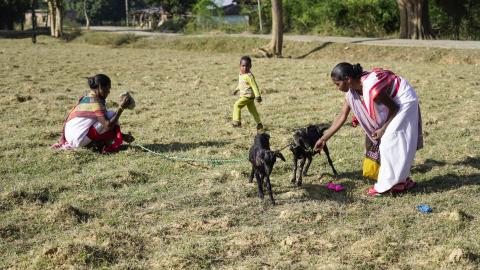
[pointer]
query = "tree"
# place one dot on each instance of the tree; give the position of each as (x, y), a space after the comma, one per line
(87, 20)
(11, 12)
(414, 19)
(55, 8)
(274, 48)
(456, 11)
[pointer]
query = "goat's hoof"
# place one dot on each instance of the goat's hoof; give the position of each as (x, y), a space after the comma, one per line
(273, 203)
(299, 184)
(305, 174)
(293, 181)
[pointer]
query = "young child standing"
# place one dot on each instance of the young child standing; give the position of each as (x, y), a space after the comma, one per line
(249, 92)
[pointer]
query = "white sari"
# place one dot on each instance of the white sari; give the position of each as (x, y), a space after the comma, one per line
(403, 135)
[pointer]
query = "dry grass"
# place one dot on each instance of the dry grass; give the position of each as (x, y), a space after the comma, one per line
(135, 210)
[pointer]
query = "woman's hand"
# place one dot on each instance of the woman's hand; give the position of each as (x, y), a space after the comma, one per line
(125, 101)
(377, 134)
(319, 145)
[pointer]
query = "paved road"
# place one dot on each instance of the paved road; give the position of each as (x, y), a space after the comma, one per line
(451, 44)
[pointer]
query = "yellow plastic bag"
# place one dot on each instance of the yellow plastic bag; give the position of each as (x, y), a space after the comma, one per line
(370, 168)
(371, 162)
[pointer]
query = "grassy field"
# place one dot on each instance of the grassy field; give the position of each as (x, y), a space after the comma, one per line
(136, 210)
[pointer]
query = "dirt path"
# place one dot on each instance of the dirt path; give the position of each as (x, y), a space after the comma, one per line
(450, 44)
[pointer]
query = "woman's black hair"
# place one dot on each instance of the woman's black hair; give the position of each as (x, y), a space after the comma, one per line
(246, 58)
(101, 80)
(344, 70)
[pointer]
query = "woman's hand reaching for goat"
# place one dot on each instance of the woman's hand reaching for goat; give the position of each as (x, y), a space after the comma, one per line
(319, 145)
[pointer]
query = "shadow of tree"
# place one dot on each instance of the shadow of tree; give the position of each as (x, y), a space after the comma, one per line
(23, 34)
(314, 50)
(366, 40)
(178, 146)
(473, 162)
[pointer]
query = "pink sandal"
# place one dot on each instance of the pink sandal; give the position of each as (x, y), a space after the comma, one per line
(401, 187)
(335, 187)
(372, 192)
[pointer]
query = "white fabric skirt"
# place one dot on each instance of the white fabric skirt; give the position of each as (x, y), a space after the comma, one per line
(398, 147)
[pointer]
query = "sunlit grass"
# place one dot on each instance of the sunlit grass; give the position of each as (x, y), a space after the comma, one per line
(136, 210)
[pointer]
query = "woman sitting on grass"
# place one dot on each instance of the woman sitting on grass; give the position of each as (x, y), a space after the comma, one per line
(386, 107)
(90, 124)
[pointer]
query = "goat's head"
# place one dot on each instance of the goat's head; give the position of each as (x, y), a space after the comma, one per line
(263, 140)
(267, 158)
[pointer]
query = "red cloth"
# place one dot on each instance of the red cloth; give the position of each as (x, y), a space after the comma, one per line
(114, 134)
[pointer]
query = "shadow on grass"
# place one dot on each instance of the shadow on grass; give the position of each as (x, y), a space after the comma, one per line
(314, 50)
(177, 146)
(321, 193)
(473, 162)
(428, 166)
(23, 34)
(447, 182)
(367, 40)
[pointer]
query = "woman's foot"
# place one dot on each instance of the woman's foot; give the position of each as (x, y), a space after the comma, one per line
(372, 192)
(259, 126)
(401, 187)
(236, 124)
(128, 138)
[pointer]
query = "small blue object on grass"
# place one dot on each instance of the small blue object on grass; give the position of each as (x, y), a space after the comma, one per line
(424, 208)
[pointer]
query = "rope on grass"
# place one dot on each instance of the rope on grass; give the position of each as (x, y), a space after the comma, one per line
(211, 161)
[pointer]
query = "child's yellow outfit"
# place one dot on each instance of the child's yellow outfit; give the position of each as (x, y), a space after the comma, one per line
(248, 92)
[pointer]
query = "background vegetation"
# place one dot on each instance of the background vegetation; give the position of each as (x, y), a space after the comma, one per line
(371, 18)
(135, 210)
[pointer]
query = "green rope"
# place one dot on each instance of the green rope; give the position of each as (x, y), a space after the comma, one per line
(186, 159)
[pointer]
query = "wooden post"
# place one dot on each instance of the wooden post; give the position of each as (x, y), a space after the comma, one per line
(34, 22)
(126, 12)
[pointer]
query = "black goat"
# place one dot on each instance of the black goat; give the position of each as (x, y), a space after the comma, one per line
(304, 140)
(262, 160)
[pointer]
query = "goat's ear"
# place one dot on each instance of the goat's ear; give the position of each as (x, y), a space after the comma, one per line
(279, 155)
(260, 158)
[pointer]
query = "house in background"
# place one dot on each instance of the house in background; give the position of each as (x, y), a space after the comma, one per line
(43, 18)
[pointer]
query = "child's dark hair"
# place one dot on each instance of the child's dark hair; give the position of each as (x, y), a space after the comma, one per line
(344, 70)
(246, 58)
(101, 80)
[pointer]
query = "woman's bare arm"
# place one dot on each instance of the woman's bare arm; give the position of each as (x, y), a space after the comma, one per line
(336, 125)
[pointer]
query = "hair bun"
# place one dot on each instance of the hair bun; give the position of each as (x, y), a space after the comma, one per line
(92, 83)
(357, 70)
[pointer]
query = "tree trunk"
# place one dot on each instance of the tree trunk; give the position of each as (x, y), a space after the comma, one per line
(274, 48)
(126, 12)
(52, 17)
(34, 22)
(414, 19)
(56, 10)
(87, 20)
(260, 15)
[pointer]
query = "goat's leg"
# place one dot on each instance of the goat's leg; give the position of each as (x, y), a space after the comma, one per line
(295, 162)
(269, 187)
(325, 149)
(260, 185)
(300, 178)
(309, 161)
(250, 179)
